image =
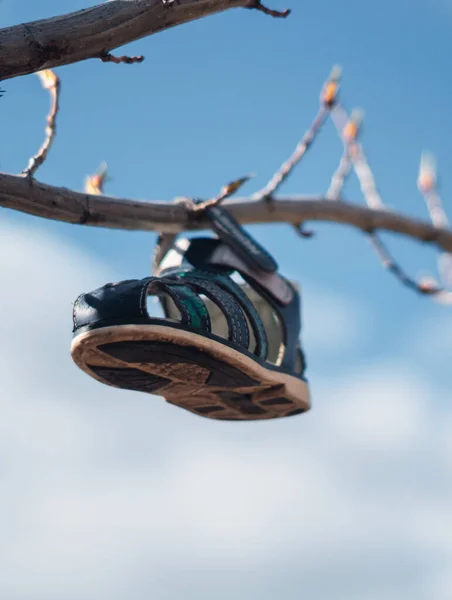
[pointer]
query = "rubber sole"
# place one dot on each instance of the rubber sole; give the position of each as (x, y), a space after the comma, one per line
(191, 371)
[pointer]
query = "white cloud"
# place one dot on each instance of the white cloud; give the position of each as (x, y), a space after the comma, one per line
(380, 409)
(333, 323)
(111, 494)
(432, 339)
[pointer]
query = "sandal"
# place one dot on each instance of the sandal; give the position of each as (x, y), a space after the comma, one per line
(224, 349)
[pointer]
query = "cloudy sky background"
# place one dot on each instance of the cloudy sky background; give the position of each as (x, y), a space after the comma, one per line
(114, 495)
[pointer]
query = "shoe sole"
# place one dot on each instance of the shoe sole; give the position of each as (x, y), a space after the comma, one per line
(191, 371)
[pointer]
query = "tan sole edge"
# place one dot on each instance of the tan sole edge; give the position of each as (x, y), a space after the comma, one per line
(188, 388)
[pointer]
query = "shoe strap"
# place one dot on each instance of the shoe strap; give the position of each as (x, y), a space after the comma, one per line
(224, 283)
(228, 305)
(204, 253)
(236, 237)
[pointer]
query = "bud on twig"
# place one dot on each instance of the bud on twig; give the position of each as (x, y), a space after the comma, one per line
(353, 127)
(427, 174)
(330, 90)
(94, 184)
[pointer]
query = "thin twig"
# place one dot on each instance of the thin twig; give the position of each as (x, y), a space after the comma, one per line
(257, 5)
(383, 254)
(341, 120)
(340, 176)
(354, 157)
(165, 242)
(226, 192)
(427, 185)
(426, 286)
(328, 98)
(389, 263)
(445, 268)
(129, 60)
(435, 209)
(348, 129)
(443, 297)
(50, 82)
(286, 168)
(302, 232)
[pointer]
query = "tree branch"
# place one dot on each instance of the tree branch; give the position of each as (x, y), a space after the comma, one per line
(328, 99)
(117, 60)
(94, 32)
(340, 176)
(60, 204)
(348, 129)
(287, 167)
(390, 264)
(52, 83)
(257, 4)
(427, 286)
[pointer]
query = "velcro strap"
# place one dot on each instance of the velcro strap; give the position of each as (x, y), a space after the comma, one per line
(205, 253)
(232, 234)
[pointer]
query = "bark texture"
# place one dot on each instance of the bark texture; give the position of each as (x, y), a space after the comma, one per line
(60, 204)
(93, 32)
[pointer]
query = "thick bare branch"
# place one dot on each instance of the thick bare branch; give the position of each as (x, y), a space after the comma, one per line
(94, 32)
(60, 204)
(52, 83)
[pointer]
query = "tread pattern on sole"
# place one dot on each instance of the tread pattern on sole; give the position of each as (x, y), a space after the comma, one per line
(191, 379)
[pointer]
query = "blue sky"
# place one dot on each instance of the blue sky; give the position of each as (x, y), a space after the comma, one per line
(361, 487)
